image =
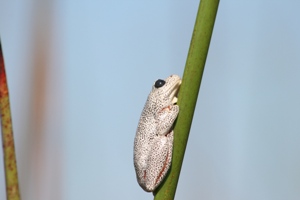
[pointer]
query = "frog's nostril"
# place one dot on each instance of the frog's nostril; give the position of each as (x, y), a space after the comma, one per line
(159, 83)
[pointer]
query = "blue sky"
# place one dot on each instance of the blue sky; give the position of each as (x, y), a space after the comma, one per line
(102, 59)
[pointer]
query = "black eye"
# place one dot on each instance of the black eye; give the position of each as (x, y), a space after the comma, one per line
(159, 83)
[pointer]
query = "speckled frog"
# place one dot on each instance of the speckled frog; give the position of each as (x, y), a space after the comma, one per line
(153, 143)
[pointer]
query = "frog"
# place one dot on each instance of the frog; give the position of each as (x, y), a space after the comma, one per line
(153, 142)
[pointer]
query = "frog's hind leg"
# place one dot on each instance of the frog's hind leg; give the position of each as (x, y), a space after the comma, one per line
(159, 161)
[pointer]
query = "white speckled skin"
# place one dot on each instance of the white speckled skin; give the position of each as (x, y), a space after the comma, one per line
(153, 143)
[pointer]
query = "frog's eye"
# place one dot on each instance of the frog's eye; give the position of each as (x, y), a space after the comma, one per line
(159, 83)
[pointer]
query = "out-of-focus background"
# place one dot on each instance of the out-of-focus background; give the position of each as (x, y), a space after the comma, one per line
(79, 74)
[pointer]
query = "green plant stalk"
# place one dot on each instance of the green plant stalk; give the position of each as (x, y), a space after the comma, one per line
(188, 93)
(10, 165)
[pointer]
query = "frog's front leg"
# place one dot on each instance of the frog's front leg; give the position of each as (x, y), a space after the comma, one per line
(159, 161)
(165, 119)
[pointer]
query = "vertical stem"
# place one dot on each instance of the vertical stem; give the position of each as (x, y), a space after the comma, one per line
(188, 93)
(10, 165)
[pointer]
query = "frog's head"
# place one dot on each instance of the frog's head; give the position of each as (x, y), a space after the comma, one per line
(164, 92)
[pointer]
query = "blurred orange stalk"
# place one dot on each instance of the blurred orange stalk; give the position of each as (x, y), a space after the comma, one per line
(10, 165)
